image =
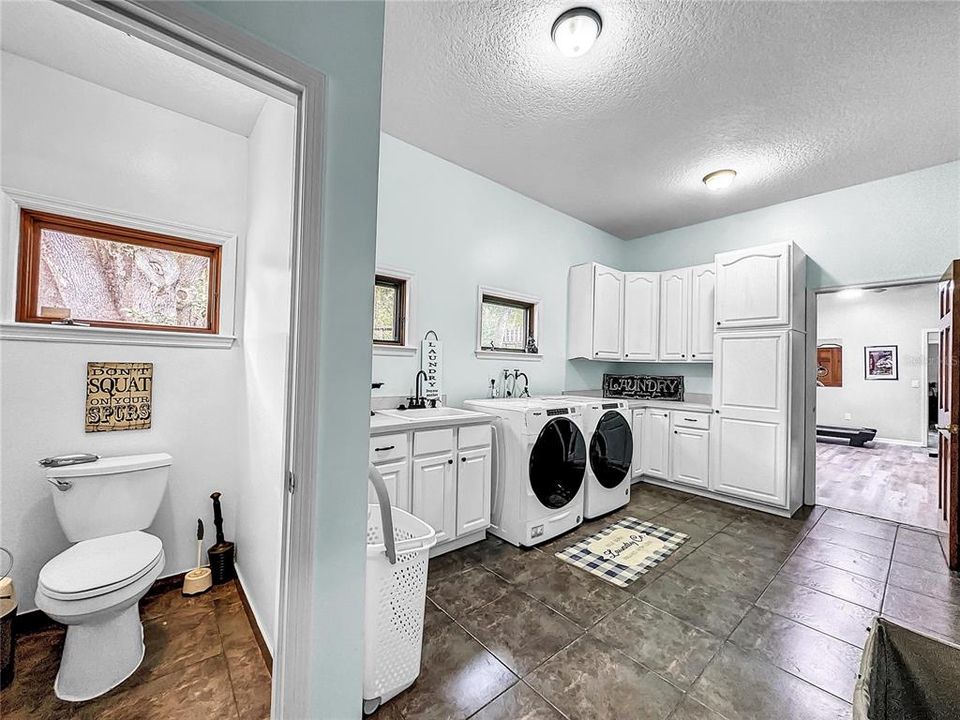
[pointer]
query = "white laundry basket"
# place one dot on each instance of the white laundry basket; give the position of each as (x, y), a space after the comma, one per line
(396, 593)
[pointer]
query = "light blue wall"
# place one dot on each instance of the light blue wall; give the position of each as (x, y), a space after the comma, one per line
(344, 40)
(456, 230)
(897, 228)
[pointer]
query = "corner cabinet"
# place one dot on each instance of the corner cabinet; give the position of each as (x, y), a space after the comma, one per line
(443, 476)
(595, 312)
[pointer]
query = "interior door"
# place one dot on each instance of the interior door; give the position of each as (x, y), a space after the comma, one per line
(948, 409)
(607, 313)
(641, 316)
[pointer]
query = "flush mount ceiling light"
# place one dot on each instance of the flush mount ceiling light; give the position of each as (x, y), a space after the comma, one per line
(719, 179)
(850, 293)
(576, 30)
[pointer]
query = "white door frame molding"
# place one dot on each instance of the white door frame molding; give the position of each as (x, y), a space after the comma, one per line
(223, 48)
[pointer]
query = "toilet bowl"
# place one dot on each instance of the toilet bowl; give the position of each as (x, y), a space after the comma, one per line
(94, 586)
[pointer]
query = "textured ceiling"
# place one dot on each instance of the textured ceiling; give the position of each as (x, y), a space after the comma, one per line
(798, 97)
(61, 38)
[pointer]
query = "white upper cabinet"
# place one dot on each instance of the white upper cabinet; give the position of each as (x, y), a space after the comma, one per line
(607, 313)
(674, 314)
(756, 287)
(702, 300)
(641, 316)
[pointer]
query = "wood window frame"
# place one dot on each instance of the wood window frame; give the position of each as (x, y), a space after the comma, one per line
(506, 299)
(33, 222)
(383, 279)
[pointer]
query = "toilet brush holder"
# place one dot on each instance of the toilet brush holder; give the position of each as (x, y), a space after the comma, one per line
(197, 581)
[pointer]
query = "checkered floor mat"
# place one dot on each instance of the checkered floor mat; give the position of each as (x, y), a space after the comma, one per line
(623, 551)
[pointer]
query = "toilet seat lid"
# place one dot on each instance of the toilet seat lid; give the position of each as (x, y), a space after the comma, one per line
(98, 566)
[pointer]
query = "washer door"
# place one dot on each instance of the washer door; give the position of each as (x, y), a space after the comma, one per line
(557, 463)
(611, 449)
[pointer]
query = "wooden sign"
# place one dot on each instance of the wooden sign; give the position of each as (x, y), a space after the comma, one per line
(431, 362)
(643, 387)
(119, 396)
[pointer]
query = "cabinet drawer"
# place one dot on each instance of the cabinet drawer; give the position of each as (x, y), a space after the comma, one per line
(388, 447)
(474, 436)
(427, 442)
(691, 420)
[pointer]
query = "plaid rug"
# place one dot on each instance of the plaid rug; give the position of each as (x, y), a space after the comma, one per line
(623, 551)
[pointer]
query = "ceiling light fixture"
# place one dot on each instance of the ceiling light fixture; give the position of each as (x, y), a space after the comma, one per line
(850, 293)
(719, 179)
(576, 30)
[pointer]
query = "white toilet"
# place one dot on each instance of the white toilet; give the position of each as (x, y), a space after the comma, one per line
(94, 586)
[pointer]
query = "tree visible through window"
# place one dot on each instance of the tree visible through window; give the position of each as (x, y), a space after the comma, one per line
(505, 324)
(110, 276)
(389, 310)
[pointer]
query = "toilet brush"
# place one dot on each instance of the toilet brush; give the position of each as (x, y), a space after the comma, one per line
(200, 579)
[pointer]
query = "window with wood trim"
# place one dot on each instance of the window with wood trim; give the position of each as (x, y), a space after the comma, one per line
(80, 272)
(506, 323)
(389, 310)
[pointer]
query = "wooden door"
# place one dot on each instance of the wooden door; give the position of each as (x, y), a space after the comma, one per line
(641, 316)
(607, 313)
(753, 287)
(473, 490)
(702, 290)
(674, 299)
(948, 409)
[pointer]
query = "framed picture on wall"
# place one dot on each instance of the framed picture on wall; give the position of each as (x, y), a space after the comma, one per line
(880, 362)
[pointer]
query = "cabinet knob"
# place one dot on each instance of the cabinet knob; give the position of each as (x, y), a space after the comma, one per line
(463, 459)
(717, 412)
(682, 355)
(693, 355)
(676, 432)
(718, 323)
(450, 461)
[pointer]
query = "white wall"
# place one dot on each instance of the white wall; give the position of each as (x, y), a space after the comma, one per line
(456, 230)
(264, 340)
(76, 141)
(896, 316)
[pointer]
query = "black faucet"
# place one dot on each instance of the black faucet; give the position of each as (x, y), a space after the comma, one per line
(526, 383)
(418, 402)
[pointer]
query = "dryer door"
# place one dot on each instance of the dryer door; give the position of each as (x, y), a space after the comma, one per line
(558, 460)
(611, 449)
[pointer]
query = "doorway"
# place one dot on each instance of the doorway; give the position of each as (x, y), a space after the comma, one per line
(873, 407)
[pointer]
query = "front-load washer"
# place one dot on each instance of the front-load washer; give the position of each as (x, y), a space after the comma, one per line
(539, 468)
(606, 426)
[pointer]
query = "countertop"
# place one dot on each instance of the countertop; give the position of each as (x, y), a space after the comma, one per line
(694, 402)
(381, 424)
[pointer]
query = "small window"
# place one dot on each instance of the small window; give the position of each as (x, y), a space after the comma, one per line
(389, 310)
(90, 273)
(506, 323)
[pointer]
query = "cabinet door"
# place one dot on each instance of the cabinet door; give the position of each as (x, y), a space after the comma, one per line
(655, 444)
(641, 316)
(607, 313)
(637, 467)
(702, 300)
(473, 490)
(690, 456)
(674, 299)
(434, 494)
(396, 476)
(751, 386)
(753, 287)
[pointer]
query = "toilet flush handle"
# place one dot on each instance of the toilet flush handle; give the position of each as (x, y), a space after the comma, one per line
(60, 484)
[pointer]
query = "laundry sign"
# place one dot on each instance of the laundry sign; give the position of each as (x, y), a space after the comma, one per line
(431, 362)
(119, 396)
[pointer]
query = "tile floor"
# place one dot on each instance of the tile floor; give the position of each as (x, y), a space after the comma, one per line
(755, 617)
(202, 661)
(893, 482)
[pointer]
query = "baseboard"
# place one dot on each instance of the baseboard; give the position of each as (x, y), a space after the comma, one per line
(906, 443)
(265, 650)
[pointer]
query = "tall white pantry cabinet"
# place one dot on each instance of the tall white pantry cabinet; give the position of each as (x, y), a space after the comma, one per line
(758, 375)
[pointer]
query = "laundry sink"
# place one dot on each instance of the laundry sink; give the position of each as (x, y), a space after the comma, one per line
(379, 419)
(440, 413)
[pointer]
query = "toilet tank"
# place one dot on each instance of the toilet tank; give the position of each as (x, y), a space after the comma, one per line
(109, 496)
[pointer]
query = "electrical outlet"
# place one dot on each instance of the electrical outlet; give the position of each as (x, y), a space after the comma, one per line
(847, 416)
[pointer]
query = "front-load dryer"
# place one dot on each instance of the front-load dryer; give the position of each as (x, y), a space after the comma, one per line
(539, 468)
(606, 426)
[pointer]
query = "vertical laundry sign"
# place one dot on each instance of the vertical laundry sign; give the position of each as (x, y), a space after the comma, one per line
(431, 362)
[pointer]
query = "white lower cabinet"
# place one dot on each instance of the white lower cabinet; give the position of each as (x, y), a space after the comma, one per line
(690, 456)
(396, 476)
(434, 494)
(655, 444)
(446, 482)
(473, 490)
